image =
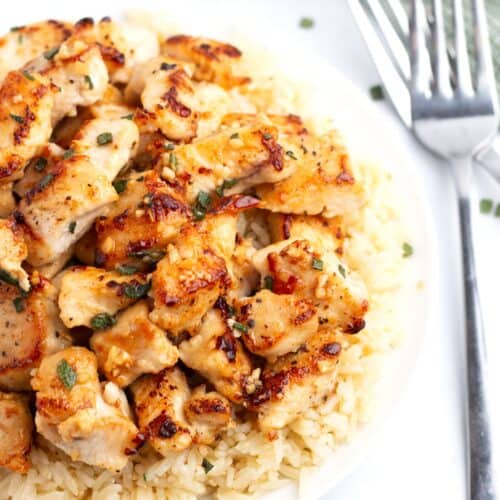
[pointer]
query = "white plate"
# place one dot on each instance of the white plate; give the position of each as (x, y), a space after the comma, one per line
(367, 129)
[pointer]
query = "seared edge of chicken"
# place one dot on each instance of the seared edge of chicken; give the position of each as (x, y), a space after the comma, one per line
(13, 251)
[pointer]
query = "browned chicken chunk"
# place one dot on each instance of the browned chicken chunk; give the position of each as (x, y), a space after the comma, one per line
(13, 252)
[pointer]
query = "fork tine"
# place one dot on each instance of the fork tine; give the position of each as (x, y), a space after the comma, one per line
(440, 57)
(462, 70)
(485, 78)
(419, 56)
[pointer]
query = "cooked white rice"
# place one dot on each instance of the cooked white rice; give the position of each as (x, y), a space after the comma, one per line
(245, 462)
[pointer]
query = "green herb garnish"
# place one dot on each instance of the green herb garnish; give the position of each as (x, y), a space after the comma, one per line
(291, 155)
(51, 53)
(235, 136)
(120, 185)
(66, 374)
(227, 184)
(19, 304)
(268, 282)
(407, 250)
(89, 81)
(6, 277)
(136, 290)
(377, 93)
(485, 206)
(169, 146)
(148, 256)
(104, 138)
(342, 270)
(306, 23)
(126, 270)
(45, 181)
(317, 264)
(173, 161)
(497, 210)
(102, 321)
(203, 201)
(68, 153)
(128, 117)
(240, 326)
(267, 136)
(40, 164)
(208, 466)
(72, 227)
(28, 75)
(17, 118)
(166, 66)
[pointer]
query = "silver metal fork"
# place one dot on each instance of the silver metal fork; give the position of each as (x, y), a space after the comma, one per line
(454, 115)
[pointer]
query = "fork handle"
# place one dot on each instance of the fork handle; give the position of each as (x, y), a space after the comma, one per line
(479, 442)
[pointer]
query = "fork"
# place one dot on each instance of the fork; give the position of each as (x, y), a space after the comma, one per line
(454, 115)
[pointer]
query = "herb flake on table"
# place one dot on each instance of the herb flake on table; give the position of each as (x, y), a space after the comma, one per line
(377, 93)
(66, 374)
(486, 206)
(497, 210)
(407, 250)
(306, 23)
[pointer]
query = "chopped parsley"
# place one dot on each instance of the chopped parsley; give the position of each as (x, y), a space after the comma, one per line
(68, 153)
(19, 304)
(45, 181)
(306, 23)
(28, 75)
(407, 250)
(6, 277)
(203, 201)
(72, 227)
(66, 374)
(342, 270)
(148, 256)
(227, 184)
(17, 118)
(235, 136)
(40, 164)
(136, 290)
(16, 28)
(317, 264)
(377, 93)
(291, 155)
(267, 136)
(173, 161)
(169, 146)
(120, 185)
(208, 466)
(497, 210)
(166, 66)
(126, 270)
(104, 138)
(268, 282)
(486, 206)
(89, 81)
(128, 117)
(102, 321)
(51, 53)
(240, 326)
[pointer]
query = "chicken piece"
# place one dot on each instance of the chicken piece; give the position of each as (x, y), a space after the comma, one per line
(214, 61)
(276, 324)
(88, 293)
(112, 105)
(244, 276)
(30, 329)
(16, 430)
(187, 282)
(296, 382)
(324, 184)
(53, 269)
(137, 228)
(159, 407)
(167, 95)
(78, 72)
(13, 252)
(208, 413)
(89, 423)
(24, 43)
(241, 157)
(218, 355)
(289, 126)
(312, 273)
(7, 200)
(65, 202)
(122, 45)
(26, 105)
(132, 347)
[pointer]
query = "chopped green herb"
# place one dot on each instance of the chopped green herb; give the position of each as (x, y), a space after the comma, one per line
(51, 53)
(240, 326)
(128, 117)
(407, 250)
(145, 477)
(169, 146)
(208, 466)
(377, 93)
(126, 270)
(102, 321)
(317, 264)
(149, 256)
(19, 304)
(89, 81)
(291, 155)
(235, 136)
(28, 75)
(68, 153)
(45, 181)
(17, 118)
(104, 138)
(486, 206)
(16, 28)
(40, 164)
(8, 278)
(342, 270)
(227, 184)
(198, 213)
(66, 374)
(72, 227)
(306, 22)
(268, 282)
(203, 201)
(120, 185)
(136, 290)
(166, 66)
(497, 210)
(172, 160)
(267, 136)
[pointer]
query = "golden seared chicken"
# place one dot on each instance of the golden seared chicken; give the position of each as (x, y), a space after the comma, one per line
(167, 95)
(310, 272)
(214, 61)
(30, 329)
(88, 295)
(112, 105)
(122, 46)
(324, 184)
(148, 214)
(13, 251)
(7, 200)
(88, 422)
(78, 73)
(274, 324)
(24, 43)
(132, 347)
(16, 429)
(296, 382)
(26, 107)
(218, 355)
(208, 413)
(187, 282)
(62, 206)
(159, 407)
